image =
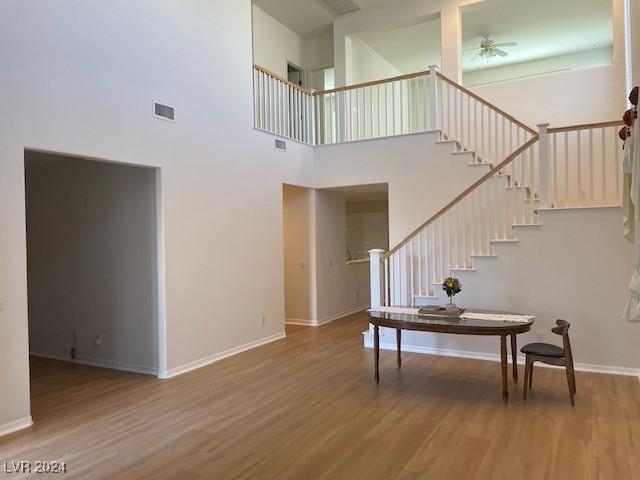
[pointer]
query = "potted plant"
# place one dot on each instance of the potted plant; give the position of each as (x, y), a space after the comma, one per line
(451, 286)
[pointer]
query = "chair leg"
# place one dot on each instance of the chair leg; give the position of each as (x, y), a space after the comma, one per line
(570, 384)
(526, 377)
(573, 379)
(531, 375)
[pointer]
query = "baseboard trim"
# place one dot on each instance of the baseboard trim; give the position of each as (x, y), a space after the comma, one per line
(203, 362)
(14, 426)
(494, 357)
(325, 320)
(100, 363)
(300, 321)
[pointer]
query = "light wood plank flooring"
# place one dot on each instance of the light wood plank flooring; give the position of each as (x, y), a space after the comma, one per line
(307, 407)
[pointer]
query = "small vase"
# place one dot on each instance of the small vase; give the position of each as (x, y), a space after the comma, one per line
(451, 307)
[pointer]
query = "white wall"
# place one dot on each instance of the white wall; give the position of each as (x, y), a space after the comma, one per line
(92, 97)
(92, 261)
(366, 64)
(423, 176)
(562, 99)
(274, 44)
(317, 51)
(575, 267)
(299, 254)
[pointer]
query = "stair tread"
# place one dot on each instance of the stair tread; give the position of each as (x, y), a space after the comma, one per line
(504, 240)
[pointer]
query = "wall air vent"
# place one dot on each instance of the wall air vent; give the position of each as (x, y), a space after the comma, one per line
(164, 112)
(281, 145)
(340, 7)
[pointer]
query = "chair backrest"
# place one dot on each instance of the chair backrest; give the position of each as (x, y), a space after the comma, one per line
(563, 330)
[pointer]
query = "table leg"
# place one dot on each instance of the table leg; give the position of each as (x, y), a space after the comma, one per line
(398, 341)
(376, 350)
(514, 357)
(503, 361)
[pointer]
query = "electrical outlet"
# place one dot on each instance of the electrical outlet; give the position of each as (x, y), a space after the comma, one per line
(1, 304)
(356, 295)
(540, 337)
(98, 340)
(262, 321)
(330, 263)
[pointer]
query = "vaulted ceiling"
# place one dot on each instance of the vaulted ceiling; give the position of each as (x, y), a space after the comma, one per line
(541, 28)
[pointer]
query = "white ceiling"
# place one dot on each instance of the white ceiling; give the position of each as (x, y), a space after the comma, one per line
(542, 28)
(308, 17)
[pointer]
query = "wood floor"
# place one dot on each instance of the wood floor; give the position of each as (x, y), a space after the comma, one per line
(307, 407)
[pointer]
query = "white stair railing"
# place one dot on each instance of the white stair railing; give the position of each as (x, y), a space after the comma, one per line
(389, 107)
(413, 103)
(576, 166)
(584, 165)
(282, 107)
(468, 226)
(477, 124)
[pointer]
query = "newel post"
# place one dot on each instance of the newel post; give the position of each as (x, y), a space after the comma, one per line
(375, 270)
(543, 159)
(433, 81)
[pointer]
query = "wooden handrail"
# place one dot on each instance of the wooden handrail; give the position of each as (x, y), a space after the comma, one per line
(488, 104)
(372, 83)
(586, 126)
(283, 80)
(460, 197)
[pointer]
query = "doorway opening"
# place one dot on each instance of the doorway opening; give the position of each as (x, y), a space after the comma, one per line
(295, 74)
(92, 264)
(327, 235)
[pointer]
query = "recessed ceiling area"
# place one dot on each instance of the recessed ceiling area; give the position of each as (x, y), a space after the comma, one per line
(311, 17)
(541, 29)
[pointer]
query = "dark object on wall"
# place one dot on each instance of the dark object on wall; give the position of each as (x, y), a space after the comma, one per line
(623, 133)
(633, 96)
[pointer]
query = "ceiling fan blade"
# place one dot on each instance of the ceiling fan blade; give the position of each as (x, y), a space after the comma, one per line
(502, 53)
(505, 44)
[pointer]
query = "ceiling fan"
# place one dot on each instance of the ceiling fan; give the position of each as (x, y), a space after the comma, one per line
(489, 49)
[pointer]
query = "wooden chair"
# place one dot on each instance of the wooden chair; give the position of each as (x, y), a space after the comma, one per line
(551, 355)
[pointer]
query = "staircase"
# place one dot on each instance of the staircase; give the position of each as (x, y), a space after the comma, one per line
(527, 170)
(572, 167)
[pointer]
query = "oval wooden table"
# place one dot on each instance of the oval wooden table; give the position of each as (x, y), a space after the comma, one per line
(453, 325)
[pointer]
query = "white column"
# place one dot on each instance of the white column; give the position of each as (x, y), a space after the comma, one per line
(433, 81)
(375, 267)
(451, 41)
(543, 159)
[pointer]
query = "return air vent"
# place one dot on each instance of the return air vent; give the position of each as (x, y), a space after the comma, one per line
(281, 145)
(340, 7)
(164, 112)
